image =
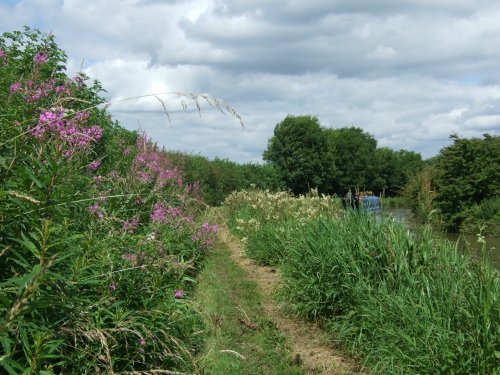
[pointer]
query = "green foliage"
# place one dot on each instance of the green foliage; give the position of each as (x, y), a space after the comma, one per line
(334, 160)
(392, 169)
(299, 150)
(218, 178)
(420, 193)
(468, 174)
(483, 218)
(407, 303)
(353, 151)
(100, 239)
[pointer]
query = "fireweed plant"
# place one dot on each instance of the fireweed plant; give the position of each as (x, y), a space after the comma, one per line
(100, 237)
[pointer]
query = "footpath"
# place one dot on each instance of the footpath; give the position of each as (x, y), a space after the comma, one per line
(309, 348)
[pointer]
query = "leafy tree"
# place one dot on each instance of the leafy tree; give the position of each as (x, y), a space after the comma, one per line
(353, 152)
(468, 174)
(392, 169)
(299, 149)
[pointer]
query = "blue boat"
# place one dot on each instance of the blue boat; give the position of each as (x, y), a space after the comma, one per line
(369, 203)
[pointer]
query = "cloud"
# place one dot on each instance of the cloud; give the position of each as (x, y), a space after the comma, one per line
(410, 73)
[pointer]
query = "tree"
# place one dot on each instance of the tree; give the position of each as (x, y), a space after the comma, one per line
(353, 152)
(468, 174)
(392, 169)
(299, 149)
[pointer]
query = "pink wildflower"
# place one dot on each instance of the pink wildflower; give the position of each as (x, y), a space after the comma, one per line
(40, 58)
(129, 225)
(130, 257)
(93, 208)
(179, 293)
(94, 165)
(158, 214)
(3, 56)
(16, 86)
(112, 286)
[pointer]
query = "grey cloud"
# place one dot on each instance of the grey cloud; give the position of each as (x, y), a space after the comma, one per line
(409, 72)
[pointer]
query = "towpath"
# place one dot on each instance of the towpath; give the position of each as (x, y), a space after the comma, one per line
(309, 344)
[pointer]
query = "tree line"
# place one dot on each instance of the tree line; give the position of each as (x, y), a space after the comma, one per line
(308, 155)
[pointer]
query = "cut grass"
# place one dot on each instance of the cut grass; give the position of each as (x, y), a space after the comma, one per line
(239, 339)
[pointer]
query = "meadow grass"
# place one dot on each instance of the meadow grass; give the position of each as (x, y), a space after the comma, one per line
(390, 202)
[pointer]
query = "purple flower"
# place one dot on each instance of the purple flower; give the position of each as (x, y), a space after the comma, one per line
(81, 116)
(16, 86)
(179, 293)
(3, 56)
(40, 58)
(94, 165)
(129, 225)
(158, 214)
(112, 286)
(93, 208)
(131, 257)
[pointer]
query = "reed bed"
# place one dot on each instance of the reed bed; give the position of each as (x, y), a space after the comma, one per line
(403, 302)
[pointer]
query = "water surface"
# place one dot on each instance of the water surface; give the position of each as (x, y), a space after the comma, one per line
(467, 242)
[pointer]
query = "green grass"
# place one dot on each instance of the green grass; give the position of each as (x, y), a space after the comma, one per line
(227, 298)
(406, 303)
(390, 202)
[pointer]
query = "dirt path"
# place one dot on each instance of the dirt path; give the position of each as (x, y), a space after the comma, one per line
(308, 343)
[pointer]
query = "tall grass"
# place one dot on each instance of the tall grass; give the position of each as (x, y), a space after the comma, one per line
(406, 303)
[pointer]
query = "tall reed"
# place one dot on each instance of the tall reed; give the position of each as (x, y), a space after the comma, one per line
(404, 302)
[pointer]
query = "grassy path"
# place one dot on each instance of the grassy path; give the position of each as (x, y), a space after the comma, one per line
(248, 333)
(241, 340)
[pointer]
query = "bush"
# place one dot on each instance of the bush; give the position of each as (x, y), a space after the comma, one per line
(99, 237)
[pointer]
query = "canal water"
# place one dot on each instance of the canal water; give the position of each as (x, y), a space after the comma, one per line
(467, 242)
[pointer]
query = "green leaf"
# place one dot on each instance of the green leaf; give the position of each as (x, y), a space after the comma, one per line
(11, 366)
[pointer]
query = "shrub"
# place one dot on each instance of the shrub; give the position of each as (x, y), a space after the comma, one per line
(100, 238)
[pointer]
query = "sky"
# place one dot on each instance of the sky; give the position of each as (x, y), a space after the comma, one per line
(409, 72)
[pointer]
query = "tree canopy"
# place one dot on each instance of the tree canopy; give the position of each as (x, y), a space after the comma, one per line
(334, 160)
(299, 149)
(468, 173)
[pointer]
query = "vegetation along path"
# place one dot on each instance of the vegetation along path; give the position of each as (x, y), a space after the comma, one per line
(309, 346)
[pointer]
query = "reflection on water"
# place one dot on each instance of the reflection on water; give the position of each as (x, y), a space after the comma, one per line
(465, 241)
